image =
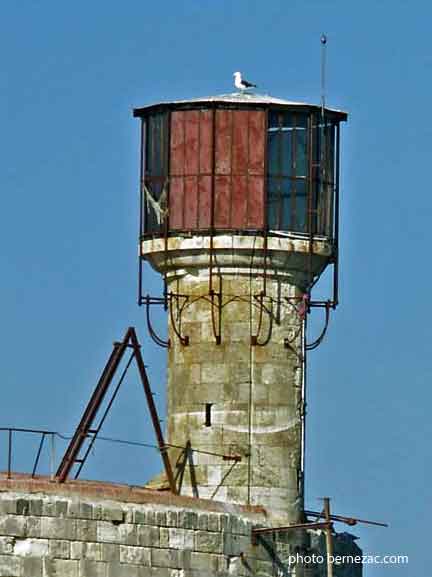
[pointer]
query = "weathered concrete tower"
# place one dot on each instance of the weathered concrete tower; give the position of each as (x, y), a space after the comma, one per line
(239, 214)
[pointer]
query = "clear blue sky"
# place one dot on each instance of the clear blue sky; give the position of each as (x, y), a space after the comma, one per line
(70, 75)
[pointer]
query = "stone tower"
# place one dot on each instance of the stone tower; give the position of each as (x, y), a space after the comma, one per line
(239, 215)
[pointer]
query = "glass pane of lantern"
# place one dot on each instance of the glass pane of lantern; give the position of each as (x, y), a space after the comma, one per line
(287, 149)
(273, 203)
(301, 206)
(273, 119)
(287, 204)
(273, 153)
(301, 151)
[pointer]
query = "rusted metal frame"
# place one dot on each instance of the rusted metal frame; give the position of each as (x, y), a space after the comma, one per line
(329, 537)
(293, 183)
(302, 414)
(38, 455)
(21, 430)
(156, 338)
(9, 466)
(152, 408)
(141, 218)
(262, 307)
(189, 457)
(93, 433)
(351, 521)
(265, 207)
(234, 457)
(212, 496)
(336, 224)
(216, 304)
(212, 198)
(167, 146)
(180, 466)
(280, 163)
(256, 533)
(309, 203)
(71, 454)
(184, 339)
(318, 341)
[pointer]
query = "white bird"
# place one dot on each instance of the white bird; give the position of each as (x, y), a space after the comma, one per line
(240, 83)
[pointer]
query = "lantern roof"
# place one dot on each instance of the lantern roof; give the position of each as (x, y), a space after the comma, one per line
(239, 98)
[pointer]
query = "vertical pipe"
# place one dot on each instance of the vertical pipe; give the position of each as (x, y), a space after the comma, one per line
(141, 217)
(52, 456)
(329, 539)
(336, 224)
(9, 454)
(323, 71)
(303, 415)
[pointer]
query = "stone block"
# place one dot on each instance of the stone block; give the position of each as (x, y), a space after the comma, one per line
(32, 567)
(110, 552)
(106, 532)
(128, 534)
(60, 568)
(33, 526)
(61, 508)
(13, 526)
(23, 507)
(60, 549)
(202, 521)
(120, 570)
(164, 537)
(53, 528)
(148, 536)
(172, 518)
(6, 545)
(7, 506)
(208, 542)
(204, 562)
(86, 511)
(86, 530)
(31, 547)
(36, 506)
(112, 514)
(165, 558)
(90, 551)
(92, 568)
(10, 566)
(135, 555)
(215, 521)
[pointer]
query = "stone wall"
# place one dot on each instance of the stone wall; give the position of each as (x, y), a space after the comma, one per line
(94, 530)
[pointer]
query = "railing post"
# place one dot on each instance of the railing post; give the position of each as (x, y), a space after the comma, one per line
(52, 456)
(9, 454)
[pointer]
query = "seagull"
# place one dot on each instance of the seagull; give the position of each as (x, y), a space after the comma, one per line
(240, 83)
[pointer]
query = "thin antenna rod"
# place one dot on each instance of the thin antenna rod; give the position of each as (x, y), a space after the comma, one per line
(323, 71)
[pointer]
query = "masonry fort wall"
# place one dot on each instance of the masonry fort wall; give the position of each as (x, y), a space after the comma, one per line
(95, 530)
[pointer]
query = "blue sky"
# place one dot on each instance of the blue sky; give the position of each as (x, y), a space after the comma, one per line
(70, 75)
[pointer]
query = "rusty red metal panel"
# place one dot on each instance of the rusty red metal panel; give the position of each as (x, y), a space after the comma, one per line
(239, 202)
(256, 202)
(222, 187)
(206, 142)
(177, 144)
(257, 140)
(240, 142)
(205, 201)
(190, 201)
(176, 196)
(191, 119)
(223, 128)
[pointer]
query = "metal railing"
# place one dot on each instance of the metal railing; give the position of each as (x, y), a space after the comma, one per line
(43, 436)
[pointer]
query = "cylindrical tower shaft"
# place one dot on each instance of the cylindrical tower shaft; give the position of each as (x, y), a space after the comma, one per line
(242, 396)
